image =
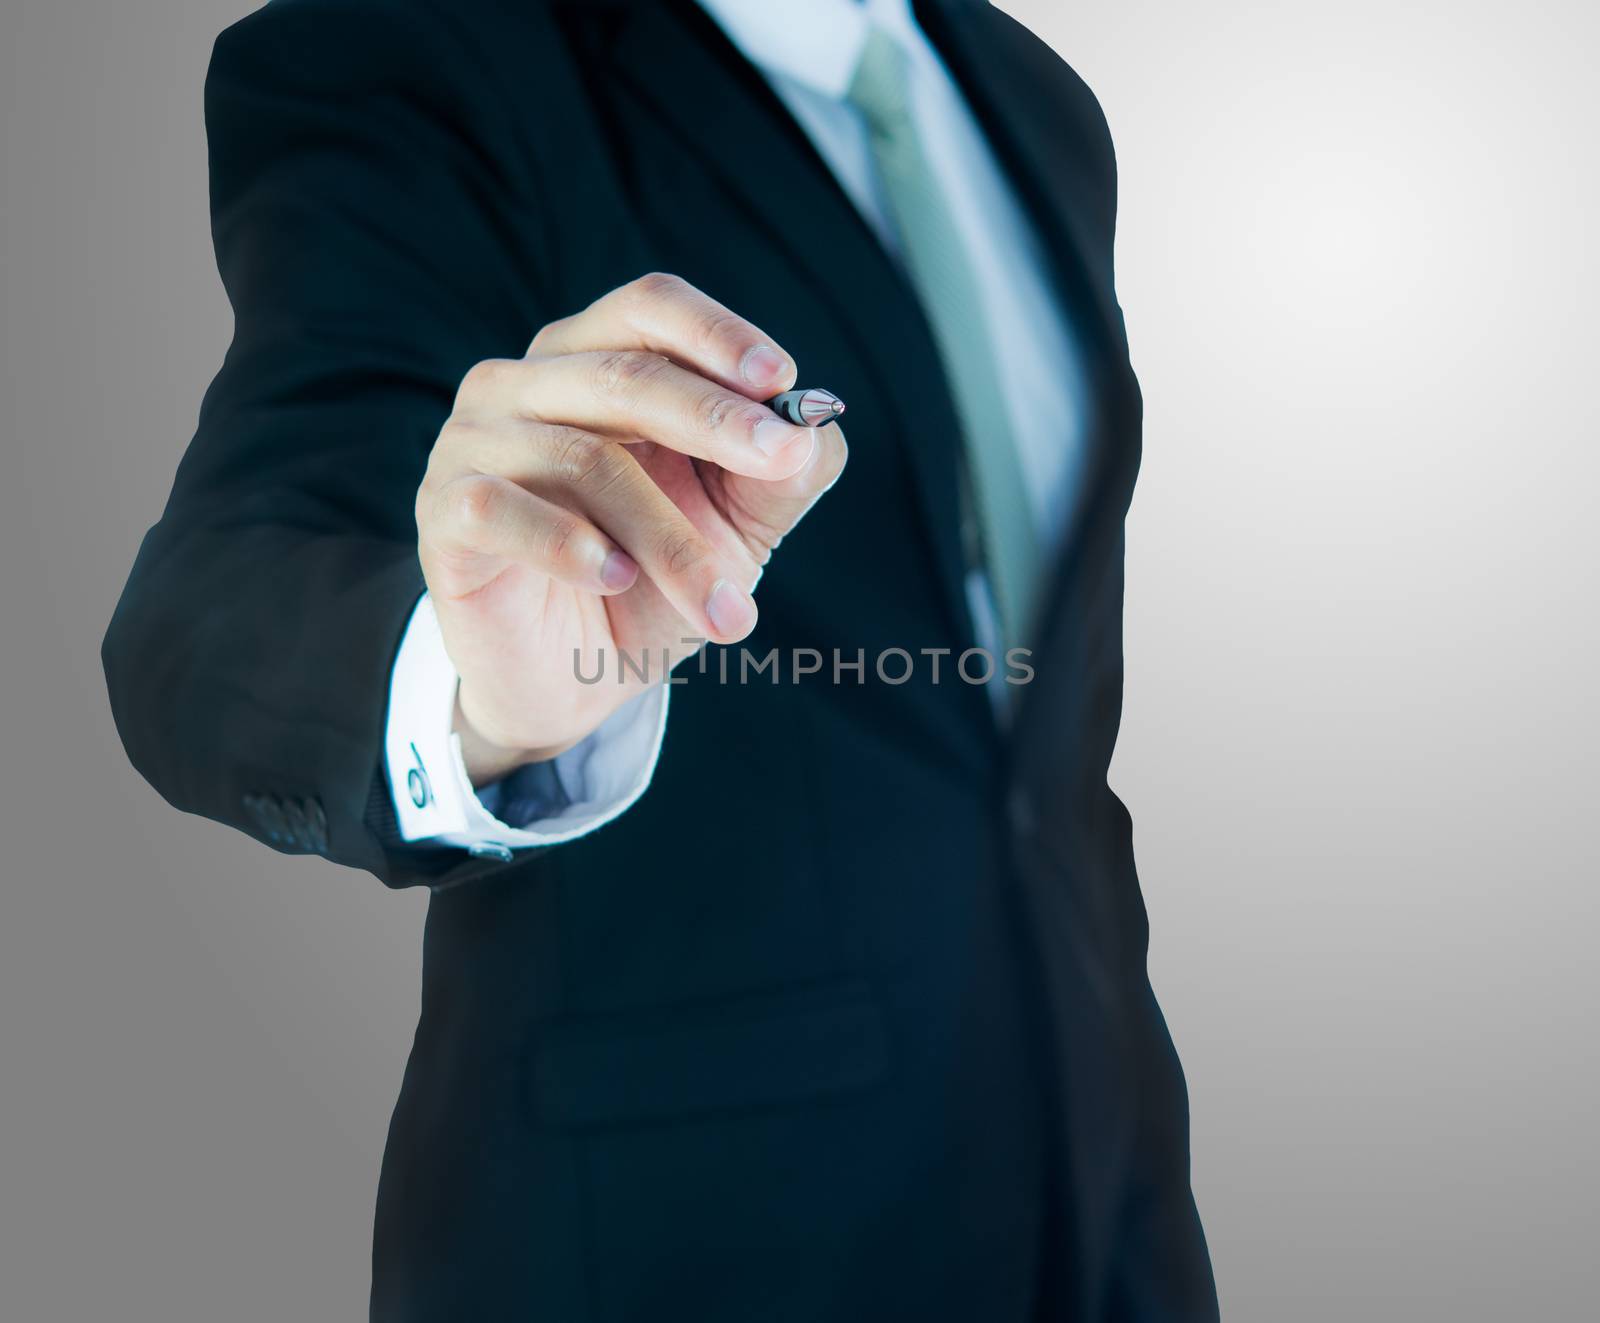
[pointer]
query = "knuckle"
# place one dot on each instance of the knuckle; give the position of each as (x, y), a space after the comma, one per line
(680, 550)
(580, 457)
(612, 466)
(561, 540)
(486, 377)
(716, 328)
(762, 531)
(621, 372)
(457, 434)
(715, 409)
(654, 287)
(475, 505)
(546, 333)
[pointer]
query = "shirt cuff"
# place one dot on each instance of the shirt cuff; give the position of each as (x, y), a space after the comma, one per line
(547, 803)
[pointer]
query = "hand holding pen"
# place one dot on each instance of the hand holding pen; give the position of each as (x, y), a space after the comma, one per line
(618, 489)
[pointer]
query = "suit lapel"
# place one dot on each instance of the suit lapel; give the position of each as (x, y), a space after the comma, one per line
(1041, 123)
(676, 60)
(1050, 137)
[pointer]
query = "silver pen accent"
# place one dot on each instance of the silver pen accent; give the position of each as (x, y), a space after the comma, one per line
(807, 408)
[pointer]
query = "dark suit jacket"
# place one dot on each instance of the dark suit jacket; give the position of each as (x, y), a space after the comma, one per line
(892, 1052)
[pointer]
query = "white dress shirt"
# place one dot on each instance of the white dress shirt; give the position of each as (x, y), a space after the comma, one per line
(807, 50)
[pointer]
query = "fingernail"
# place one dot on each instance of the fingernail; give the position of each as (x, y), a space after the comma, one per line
(732, 613)
(618, 571)
(761, 365)
(772, 434)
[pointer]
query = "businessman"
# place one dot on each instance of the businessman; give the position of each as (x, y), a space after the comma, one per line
(810, 985)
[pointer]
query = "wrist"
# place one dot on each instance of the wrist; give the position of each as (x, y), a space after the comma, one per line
(488, 757)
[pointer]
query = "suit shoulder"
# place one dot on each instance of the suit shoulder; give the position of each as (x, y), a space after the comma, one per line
(381, 35)
(1073, 95)
(487, 12)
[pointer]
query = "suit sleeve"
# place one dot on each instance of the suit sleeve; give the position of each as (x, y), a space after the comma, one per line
(376, 233)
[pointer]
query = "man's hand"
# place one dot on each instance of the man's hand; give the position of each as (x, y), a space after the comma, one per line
(616, 490)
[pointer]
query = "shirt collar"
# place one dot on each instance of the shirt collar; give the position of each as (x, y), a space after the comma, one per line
(816, 43)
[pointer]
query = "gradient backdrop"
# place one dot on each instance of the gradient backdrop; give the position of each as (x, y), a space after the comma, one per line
(1358, 262)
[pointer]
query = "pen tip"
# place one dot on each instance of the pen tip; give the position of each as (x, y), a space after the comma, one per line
(818, 407)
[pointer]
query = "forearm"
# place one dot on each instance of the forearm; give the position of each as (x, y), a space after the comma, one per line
(249, 657)
(247, 665)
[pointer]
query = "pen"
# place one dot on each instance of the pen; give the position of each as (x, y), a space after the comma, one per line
(807, 408)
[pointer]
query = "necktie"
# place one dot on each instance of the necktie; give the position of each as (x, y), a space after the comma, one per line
(948, 287)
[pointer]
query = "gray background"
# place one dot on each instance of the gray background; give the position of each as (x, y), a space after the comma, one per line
(1361, 736)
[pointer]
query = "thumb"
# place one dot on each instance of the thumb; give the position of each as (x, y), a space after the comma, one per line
(762, 512)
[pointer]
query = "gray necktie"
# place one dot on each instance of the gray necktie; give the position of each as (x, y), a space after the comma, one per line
(940, 269)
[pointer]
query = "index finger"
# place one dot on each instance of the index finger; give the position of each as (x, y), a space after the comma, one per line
(667, 315)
